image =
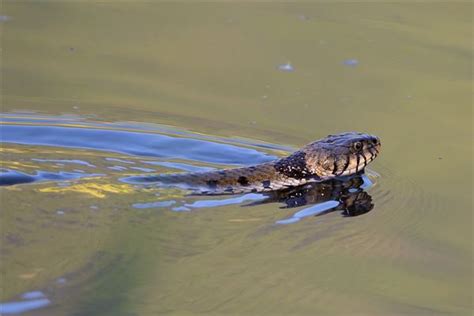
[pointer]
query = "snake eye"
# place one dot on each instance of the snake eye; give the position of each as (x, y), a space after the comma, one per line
(357, 146)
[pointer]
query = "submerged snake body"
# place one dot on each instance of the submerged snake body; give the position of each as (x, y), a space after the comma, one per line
(328, 158)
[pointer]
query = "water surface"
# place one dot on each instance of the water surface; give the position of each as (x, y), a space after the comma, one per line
(98, 92)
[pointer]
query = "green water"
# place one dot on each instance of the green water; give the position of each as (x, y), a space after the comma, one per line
(213, 69)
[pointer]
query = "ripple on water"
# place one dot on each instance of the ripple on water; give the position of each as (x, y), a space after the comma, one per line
(32, 295)
(146, 144)
(179, 166)
(396, 228)
(161, 144)
(11, 177)
(157, 204)
(66, 161)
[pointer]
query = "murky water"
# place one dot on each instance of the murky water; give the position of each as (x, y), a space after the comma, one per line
(94, 94)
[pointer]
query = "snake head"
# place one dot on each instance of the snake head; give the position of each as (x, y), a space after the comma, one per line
(341, 154)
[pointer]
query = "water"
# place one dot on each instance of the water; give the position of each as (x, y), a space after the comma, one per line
(95, 94)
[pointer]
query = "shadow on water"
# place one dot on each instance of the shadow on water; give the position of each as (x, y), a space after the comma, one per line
(347, 195)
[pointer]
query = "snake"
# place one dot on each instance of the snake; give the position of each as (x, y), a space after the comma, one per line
(332, 157)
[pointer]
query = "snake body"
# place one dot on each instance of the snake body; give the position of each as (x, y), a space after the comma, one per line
(331, 157)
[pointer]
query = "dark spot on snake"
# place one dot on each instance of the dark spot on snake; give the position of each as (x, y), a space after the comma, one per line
(229, 189)
(266, 184)
(254, 190)
(294, 166)
(243, 181)
(212, 183)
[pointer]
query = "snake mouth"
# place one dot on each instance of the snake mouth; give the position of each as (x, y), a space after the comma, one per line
(360, 160)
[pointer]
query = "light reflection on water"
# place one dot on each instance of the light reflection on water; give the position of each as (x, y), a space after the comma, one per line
(131, 143)
(65, 161)
(310, 211)
(30, 301)
(224, 202)
(158, 204)
(179, 166)
(11, 177)
(192, 150)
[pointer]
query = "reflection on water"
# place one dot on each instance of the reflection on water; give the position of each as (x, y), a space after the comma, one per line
(65, 161)
(30, 301)
(179, 166)
(73, 132)
(347, 196)
(226, 201)
(130, 143)
(159, 204)
(11, 177)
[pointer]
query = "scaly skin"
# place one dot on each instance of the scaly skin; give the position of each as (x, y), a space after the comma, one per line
(332, 157)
